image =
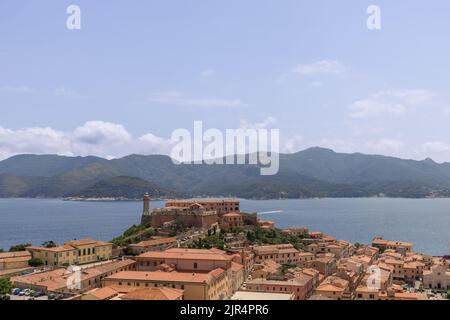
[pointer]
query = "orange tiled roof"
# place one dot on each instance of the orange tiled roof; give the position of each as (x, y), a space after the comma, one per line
(105, 293)
(6, 255)
(155, 242)
(62, 248)
(236, 266)
(189, 254)
(153, 294)
(161, 276)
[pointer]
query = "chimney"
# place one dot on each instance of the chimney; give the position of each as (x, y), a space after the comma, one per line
(146, 204)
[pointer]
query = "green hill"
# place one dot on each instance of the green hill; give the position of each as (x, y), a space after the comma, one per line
(315, 172)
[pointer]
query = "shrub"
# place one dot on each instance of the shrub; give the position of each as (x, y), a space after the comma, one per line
(35, 262)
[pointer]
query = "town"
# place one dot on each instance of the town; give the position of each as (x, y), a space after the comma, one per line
(207, 249)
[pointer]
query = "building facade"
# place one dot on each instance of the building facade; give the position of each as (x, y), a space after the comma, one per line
(73, 252)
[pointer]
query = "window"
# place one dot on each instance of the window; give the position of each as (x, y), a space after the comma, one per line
(195, 265)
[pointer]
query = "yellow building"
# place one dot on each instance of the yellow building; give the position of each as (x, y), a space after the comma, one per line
(196, 286)
(14, 260)
(73, 252)
(60, 280)
(399, 246)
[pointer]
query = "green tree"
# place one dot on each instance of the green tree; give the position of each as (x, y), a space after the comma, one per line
(35, 262)
(358, 245)
(5, 286)
(19, 247)
(49, 244)
(448, 295)
(1, 250)
(251, 236)
(129, 252)
(285, 267)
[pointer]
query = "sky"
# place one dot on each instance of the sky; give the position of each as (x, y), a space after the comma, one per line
(138, 70)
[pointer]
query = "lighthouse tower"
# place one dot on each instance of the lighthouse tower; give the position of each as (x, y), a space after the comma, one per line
(146, 205)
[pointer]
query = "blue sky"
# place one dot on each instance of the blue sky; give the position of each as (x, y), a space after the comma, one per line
(137, 70)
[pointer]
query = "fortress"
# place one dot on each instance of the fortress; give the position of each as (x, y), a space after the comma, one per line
(198, 213)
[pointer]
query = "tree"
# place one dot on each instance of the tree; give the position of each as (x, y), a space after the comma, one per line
(5, 286)
(19, 247)
(286, 266)
(49, 244)
(129, 252)
(448, 295)
(251, 236)
(1, 250)
(358, 245)
(35, 262)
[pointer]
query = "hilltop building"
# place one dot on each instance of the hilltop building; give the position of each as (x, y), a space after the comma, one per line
(192, 215)
(198, 213)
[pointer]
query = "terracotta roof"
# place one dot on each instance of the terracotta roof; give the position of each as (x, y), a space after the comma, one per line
(62, 248)
(87, 241)
(161, 276)
(188, 254)
(236, 266)
(15, 259)
(155, 242)
(153, 294)
(232, 214)
(105, 293)
(6, 255)
(195, 200)
(56, 279)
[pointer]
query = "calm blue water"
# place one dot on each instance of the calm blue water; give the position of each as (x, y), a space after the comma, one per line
(426, 222)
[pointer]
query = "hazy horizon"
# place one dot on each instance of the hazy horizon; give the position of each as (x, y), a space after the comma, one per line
(167, 155)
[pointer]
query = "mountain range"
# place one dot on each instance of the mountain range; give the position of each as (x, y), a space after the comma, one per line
(314, 172)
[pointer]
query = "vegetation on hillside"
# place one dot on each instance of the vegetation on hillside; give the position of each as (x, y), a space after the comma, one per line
(134, 234)
(5, 286)
(315, 172)
(19, 247)
(124, 187)
(273, 236)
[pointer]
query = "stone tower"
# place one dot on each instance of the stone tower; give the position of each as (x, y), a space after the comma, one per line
(146, 205)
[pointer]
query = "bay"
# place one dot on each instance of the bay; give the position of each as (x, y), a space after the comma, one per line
(425, 222)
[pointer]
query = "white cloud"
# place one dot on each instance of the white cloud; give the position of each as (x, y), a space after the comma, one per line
(316, 84)
(265, 124)
(100, 132)
(385, 146)
(99, 138)
(293, 144)
(394, 102)
(177, 99)
(208, 73)
(17, 89)
(320, 67)
(60, 91)
(434, 146)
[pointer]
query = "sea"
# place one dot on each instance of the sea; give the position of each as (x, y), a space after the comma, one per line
(425, 222)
